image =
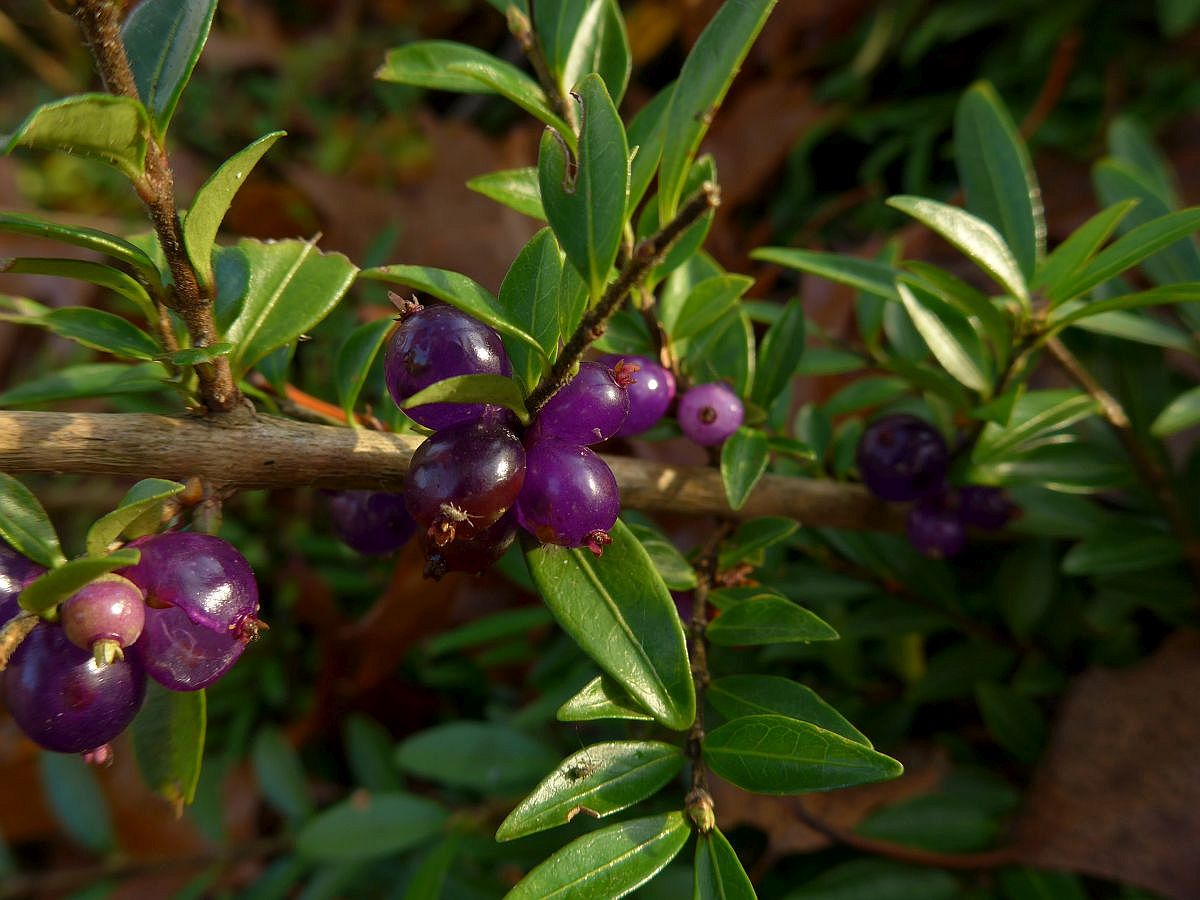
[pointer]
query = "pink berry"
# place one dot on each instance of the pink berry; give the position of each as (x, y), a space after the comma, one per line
(709, 413)
(104, 617)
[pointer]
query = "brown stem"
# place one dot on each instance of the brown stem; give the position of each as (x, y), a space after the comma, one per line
(99, 20)
(646, 255)
(522, 29)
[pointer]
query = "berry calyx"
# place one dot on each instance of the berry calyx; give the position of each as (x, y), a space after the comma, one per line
(650, 394)
(984, 507)
(709, 413)
(902, 458)
(591, 407)
(570, 496)
(935, 527)
(104, 617)
(373, 523)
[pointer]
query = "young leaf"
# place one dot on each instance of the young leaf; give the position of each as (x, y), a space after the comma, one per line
(997, 174)
(140, 512)
(609, 862)
(718, 873)
(704, 304)
(582, 36)
(703, 82)
(744, 457)
(168, 739)
(529, 297)
(780, 355)
(950, 337)
(367, 826)
(768, 620)
(777, 755)
(599, 780)
(25, 525)
(620, 613)
(87, 380)
(102, 331)
(1182, 412)
(85, 270)
(868, 275)
(498, 389)
(485, 756)
(81, 236)
(1080, 246)
(280, 775)
(112, 129)
(735, 696)
(163, 40)
(1014, 720)
(51, 589)
(212, 201)
(515, 188)
(602, 698)
(354, 360)
(586, 205)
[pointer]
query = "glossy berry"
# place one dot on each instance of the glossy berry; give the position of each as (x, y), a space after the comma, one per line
(473, 555)
(901, 458)
(463, 478)
(434, 343)
(935, 527)
(180, 654)
(63, 699)
(370, 522)
(16, 571)
(570, 497)
(984, 507)
(591, 407)
(650, 394)
(104, 617)
(709, 413)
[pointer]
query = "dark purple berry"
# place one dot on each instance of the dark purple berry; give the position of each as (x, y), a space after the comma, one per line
(591, 407)
(16, 571)
(370, 522)
(984, 507)
(63, 699)
(570, 497)
(182, 655)
(901, 458)
(434, 343)
(104, 617)
(709, 413)
(935, 527)
(473, 555)
(464, 478)
(650, 394)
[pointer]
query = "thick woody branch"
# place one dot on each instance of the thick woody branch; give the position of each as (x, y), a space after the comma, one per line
(269, 452)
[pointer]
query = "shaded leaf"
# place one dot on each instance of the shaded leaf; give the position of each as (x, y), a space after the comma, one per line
(87, 380)
(753, 536)
(485, 756)
(645, 135)
(1182, 412)
(768, 620)
(1073, 254)
(718, 873)
(780, 355)
(878, 879)
(369, 753)
(1128, 547)
(1035, 415)
(677, 573)
(707, 302)
(163, 40)
(85, 270)
(280, 775)
(354, 360)
(950, 337)
(504, 624)
(602, 698)
(168, 738)
(44, 593)
(81, 236)
(744, 457)
(530, 298)
(1184, 292)
(1013, 720)
(112, 129)
(498, 389)
(870, 276)
(77, 801)
(25, 525)
(366, 826)
(735, 696)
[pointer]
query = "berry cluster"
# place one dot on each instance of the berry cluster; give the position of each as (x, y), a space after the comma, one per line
(904, 459)
(182, 616)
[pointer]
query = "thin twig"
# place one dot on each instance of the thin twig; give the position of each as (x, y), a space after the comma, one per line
(522, 29)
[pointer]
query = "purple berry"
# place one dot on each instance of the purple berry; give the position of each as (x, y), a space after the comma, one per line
(984, 507)
(473, 555)
(650, 394)
(709, 413)
(935, 527)
(182, 655)
(370, 522)
(464, 478)
(63, 699)
(16, 571)
(901, 458)
(434, 343)
(570, 496)
(104, 617)
(591, 407)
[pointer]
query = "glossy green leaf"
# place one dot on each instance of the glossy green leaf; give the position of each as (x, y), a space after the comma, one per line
(620, 613)
(163, 40)
(500, 81)
(280, 775)
(515, 188)
(85, 270)
(529, 297)
(582, 36)
(1081, 245)
(677, 573)
(736, 696)
(112, 129)
(485, 756)
(102, 331)
(868, 275)
(718, 873)
(997, 174)
(81, 236)
(585, 204)
(704, 80)
(168, 739)
(354, 360)
(212, 201)
(1013, 720)
(87, 380)
(744, 457)
(609, 862)
(597, 781)
(951, 339)
(1182, 412)
(45, 593)
(753, 536)
(952, 290)
(707, 302)
(780, 355)
(1035, 415)
(768, 620)
(1184, 292)
(878, 879)
(646, 133)
(602, 698)
(193, 356)
(368, 826)
(140, 512)
(498, 389)
(25, 525)
(78, 804)
(777, 755)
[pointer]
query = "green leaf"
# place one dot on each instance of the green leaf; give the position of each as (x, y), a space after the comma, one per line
(609, 862)
(193, 356)
(1182, 412)
(718, 873)
(707, 302)
(290, 287)
(951, 339)
(112, 129)
(689, 242)
(515, 188)
(1129, 547)
(280, 775)
(45, 593)
(84, 270)
(1131, 326)
(1034, 884)
(736, 696)
(369, 754)
(88, 380)
(602, 698)
(972, 303)
(620, 613)
(703, 82)
(457, 290)
(865, 393)
(768, 620)
(163, 40)
(429, 878)
(599, 780)
(498, 389)
(489, 629)
(139, 513)
(25, 525)
(102, 331)
(78, 803)
(583, 36)
(212, 201)
(753, 536)
(1013, 720)
(646, 133)
(529, 297)
(868, 275)
(997, 174)
(1035, 415)
(973, 236)
(878, 879)
(367, 826)
(780, 355)
(744, 457)
(1080, 246)
(1184, 292)
(724, 352)
(168, 738)
(485, 756)
(354, 360)
(777, 755)
(585, 205)
(677, 573)
(81, 236)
